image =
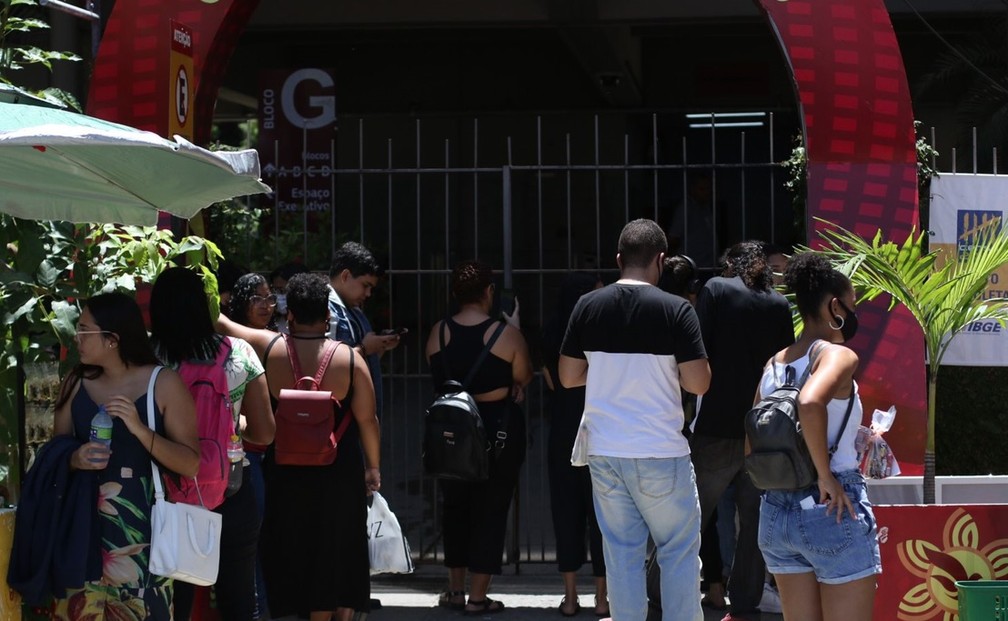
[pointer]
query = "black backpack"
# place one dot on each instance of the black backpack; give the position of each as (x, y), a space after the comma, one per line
(778, 456)
(455, 444)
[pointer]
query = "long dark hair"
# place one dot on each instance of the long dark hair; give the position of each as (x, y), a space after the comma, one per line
(181, 327)
(119, 315)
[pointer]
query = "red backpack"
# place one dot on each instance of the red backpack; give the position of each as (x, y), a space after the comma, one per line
(207, 382)
(305, 433)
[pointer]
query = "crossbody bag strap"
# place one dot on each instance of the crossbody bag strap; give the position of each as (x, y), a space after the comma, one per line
(155, 471)
(483, 355)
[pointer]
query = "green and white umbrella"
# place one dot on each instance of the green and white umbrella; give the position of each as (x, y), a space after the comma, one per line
(61, 165)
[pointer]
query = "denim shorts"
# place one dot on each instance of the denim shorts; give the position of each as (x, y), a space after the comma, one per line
(796, 540)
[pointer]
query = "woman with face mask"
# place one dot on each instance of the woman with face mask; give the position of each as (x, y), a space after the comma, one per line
(820, 542)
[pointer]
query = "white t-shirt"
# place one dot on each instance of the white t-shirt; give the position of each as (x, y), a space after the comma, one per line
(634, 337)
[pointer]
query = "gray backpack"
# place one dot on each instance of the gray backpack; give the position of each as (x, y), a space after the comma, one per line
(778, 456)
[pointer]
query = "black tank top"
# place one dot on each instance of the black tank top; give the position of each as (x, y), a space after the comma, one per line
(462, 350)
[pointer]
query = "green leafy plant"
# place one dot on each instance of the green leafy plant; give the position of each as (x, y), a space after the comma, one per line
(796, 180)
(16, 53)
(944, 295)
(48, 267)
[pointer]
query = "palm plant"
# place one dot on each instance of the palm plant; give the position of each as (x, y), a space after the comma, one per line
(944, 294)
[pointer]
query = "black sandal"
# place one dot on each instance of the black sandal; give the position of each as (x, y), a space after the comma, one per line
(485, 607)
(574, 612)
(604, 613)
(445, 600)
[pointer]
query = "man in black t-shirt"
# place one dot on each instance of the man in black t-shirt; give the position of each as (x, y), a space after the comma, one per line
(744, 322)
(634, 347)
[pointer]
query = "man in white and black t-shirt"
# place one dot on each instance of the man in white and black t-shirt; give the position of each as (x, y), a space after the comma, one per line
(634, 347)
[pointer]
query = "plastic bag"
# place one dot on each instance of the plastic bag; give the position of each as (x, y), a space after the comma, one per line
(874, 455)
(387, 546)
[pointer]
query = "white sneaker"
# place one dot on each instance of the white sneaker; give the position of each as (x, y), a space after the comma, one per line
(770, 602)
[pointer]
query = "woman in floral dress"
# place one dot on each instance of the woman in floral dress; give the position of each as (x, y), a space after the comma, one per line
(116, 362)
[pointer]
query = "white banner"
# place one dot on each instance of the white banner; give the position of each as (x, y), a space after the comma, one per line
(959, 204)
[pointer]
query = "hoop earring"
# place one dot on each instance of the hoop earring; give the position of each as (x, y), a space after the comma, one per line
(840, 327)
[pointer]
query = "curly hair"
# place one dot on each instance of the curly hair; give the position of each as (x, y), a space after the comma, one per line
(308, 297)
(241, 298)
(748, 261)
(469, 279)
(812, 279)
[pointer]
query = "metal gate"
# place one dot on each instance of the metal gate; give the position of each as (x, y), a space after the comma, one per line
(536, 197)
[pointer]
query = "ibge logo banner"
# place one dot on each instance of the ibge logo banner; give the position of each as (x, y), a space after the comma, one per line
(969, 223)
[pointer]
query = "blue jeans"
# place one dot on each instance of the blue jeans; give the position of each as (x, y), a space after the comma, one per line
(638, 497)
(795, 539)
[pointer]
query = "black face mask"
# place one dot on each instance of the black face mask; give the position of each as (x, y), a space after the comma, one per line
(848, 326)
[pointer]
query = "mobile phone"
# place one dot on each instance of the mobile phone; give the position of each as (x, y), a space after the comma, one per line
(394, 332)
(507, 301)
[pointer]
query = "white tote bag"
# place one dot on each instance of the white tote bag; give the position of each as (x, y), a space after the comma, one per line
(185, 539)
(387, 546)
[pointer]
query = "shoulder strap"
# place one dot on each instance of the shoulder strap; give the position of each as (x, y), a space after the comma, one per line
(843, 425)
(292, 356)
(444, 353)
(483, 355)
(327, 353)
(349, 391)
(223, 351)
(813, 353)
(347, 410)
(269, 347)
(155, 472)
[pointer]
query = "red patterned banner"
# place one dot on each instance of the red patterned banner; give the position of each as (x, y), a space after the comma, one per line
(862, 175)
(926, 549)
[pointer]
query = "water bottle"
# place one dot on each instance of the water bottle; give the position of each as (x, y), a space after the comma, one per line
(236, 455)
(101, 427)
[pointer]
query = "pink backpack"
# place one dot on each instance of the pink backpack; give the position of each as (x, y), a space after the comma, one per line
(305, 431)
(207, 382)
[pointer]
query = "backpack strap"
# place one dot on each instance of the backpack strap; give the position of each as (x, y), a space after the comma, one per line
(327, 353)
(483, 355)
(292, 356)
(843, 425)
(814, 351)
(479, 359)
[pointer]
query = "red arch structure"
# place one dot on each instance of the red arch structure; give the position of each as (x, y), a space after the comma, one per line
(852, 90)
(862, 175)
